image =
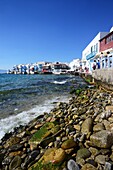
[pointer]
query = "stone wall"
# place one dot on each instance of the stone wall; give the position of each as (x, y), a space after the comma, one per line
(104, 75)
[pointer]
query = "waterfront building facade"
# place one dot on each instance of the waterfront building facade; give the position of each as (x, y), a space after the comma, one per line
(40, 68)
(106, 50)
(46, 68)
(75, 65)
(59, 68)
(91, 51)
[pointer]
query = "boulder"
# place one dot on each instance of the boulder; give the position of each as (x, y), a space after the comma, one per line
(102, 139)
(87, 126)
(54, 155)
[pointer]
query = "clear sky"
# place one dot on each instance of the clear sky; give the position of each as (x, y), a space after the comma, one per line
(50, 30)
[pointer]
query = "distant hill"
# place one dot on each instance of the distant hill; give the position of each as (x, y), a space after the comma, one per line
(3, 71)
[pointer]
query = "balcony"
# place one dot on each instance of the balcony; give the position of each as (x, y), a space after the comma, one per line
(91, 55)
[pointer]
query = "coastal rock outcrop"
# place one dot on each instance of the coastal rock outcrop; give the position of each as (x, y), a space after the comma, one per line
(75, 135)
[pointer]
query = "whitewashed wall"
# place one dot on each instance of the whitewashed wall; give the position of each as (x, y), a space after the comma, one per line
(105, 75)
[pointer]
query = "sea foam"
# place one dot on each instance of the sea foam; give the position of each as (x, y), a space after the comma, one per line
(59, 82)
(8, 124)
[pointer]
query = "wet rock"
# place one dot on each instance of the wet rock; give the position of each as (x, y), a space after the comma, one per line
(44, 132)
(37, 126)
(102, 139)
(45, 142)
(21, 135)
(12, 141)
(31, 157)
(15, 163)
(15, 147)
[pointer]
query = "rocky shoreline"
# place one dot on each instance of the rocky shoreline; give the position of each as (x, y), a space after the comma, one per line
(77, 135)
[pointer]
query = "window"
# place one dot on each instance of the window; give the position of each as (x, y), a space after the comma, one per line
(112, 37)
(102, 63)
(91, 49)
(96, 47)
(109, 39)
(110, 61)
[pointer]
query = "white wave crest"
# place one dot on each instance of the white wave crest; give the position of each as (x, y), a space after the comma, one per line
(8, 124)
(59, 82)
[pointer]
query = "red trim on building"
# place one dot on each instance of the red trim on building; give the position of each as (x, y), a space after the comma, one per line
(106, 42)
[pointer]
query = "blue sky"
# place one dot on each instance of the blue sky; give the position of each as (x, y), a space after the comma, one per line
(50, 30)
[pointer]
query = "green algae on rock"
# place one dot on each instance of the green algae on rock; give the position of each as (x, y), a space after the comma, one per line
(45, 131)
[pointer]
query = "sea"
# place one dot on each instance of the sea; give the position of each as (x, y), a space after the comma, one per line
(24, 97)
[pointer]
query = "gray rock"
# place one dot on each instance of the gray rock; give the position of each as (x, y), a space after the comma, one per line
(108, 166)
(72, 165)
(102, 139)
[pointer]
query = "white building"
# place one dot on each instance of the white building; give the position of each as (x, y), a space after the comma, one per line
(75, 64)
(91, 50)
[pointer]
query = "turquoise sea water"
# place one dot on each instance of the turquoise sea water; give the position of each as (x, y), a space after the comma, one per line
(23, 97)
